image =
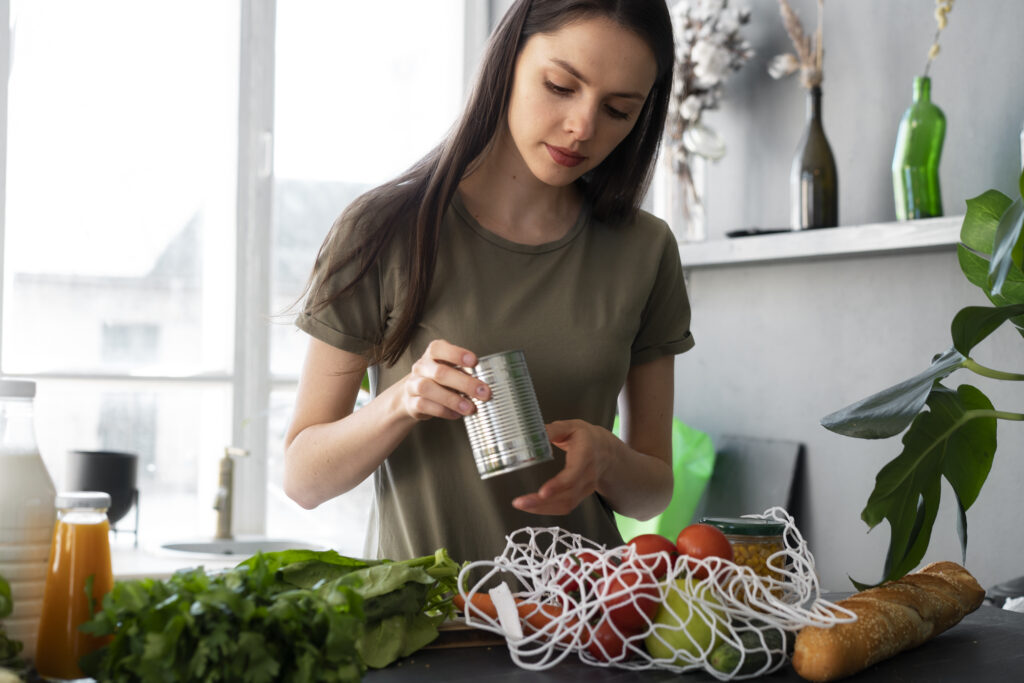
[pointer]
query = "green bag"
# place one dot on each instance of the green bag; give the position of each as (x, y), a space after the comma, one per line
(693, 459)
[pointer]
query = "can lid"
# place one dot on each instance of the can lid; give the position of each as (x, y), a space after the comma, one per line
(93, 500)
(17, 388)
(746, 526)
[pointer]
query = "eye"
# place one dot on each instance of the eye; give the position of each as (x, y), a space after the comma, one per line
(616, 114)
(557, 89)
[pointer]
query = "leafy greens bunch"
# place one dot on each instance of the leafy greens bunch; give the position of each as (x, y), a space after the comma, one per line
(952, 433)
(297, 615)
(10, 650)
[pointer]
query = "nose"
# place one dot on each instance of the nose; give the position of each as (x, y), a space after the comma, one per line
(581, 120)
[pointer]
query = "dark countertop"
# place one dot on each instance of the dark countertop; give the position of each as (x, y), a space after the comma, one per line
(988, 645)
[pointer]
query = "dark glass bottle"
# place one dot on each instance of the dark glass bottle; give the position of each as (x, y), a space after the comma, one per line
(915, 162)
(813, 182)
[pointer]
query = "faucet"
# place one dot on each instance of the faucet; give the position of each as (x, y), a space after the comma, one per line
(224, 499)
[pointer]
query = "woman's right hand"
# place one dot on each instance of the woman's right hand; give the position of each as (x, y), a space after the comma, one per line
(437, 387)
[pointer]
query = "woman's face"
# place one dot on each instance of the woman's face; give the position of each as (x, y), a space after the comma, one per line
(576, 94)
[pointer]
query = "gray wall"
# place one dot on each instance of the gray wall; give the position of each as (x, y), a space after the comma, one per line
(780, 345)
(873, 50)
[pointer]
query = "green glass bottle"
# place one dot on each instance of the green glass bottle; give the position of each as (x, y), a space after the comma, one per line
(915, 163)
(813, 182)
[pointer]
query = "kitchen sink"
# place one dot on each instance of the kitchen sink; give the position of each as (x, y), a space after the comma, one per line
(238, 546)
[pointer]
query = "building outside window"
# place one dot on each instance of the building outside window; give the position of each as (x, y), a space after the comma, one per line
(120, 248)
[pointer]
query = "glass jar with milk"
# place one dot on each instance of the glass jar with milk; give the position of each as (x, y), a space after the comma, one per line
(27, 512)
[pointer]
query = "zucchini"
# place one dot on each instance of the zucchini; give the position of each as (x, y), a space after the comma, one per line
(726, 656)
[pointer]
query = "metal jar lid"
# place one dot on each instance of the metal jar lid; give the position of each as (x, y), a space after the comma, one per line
(90, 500)
(745, 526)
(17, 388)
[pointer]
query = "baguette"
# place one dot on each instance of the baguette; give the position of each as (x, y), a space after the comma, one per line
(896, 616)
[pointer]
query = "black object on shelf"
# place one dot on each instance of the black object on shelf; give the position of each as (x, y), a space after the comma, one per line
(750, 232)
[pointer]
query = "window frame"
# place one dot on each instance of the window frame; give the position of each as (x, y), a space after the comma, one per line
(250, 380)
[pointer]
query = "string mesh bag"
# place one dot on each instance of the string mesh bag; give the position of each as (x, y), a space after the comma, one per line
(613, 607)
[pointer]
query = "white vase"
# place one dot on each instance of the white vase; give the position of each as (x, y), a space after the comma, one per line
(680, 201)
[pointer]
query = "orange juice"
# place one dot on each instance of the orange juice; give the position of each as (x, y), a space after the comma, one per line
(80, 549)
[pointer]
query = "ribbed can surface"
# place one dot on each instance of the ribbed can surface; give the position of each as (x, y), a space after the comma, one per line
(507, 432)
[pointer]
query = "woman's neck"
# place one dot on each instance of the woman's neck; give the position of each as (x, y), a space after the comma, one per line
(503, 196)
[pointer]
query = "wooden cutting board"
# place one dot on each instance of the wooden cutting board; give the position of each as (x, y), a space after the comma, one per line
(453, 634)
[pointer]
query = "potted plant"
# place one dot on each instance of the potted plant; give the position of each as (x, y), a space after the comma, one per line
(950, 433)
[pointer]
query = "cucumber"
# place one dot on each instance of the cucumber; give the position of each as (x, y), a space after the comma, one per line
(726, 656)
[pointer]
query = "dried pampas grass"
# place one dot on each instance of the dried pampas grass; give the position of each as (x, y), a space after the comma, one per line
(809, 56)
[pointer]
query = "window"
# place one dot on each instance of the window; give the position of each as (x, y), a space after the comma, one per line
(120, 250)
(354, 107)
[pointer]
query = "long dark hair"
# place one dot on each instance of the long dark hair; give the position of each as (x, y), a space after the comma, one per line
(413, 205)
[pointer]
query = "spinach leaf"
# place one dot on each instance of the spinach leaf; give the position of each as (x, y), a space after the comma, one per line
(291, 616)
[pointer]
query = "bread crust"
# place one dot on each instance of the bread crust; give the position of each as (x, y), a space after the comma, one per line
(896, 616)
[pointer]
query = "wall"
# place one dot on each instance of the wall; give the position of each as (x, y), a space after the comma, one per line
(779, 346)
(873, 51)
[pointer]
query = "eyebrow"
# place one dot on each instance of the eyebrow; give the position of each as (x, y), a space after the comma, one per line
(574, 72)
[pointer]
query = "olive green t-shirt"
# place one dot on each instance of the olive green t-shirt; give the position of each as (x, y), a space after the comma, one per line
(583, 309)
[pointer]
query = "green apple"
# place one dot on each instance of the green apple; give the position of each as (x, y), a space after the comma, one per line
(684, 625)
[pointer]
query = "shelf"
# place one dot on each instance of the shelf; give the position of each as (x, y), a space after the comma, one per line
(873, 239)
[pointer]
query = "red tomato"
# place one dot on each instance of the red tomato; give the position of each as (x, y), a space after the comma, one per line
(630, 598)
(703, 540)
(607, 645)
(649, 544)
(576, 565)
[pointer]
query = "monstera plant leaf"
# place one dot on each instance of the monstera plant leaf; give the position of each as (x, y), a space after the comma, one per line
(972, 324)
(956, 439)
(888, 412)
(951, 434)
(992, 243)
(1008, 245)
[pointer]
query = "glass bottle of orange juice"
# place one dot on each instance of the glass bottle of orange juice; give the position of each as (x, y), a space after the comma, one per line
(80, 550)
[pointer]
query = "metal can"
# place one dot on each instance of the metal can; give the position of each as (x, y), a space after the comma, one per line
(506, 432)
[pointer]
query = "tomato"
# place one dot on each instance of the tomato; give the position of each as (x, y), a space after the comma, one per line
(650, 544)
(702, 540)
(606, 644)
(578, 565)
(629, 598)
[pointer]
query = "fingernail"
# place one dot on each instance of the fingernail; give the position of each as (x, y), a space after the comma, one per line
(481, 391)
(465, 407)
(468, 360)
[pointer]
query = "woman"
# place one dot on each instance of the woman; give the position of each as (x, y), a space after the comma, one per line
(520, 231)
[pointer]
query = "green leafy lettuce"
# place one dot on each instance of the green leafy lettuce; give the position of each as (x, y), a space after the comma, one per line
(10, 650)
(296, 615)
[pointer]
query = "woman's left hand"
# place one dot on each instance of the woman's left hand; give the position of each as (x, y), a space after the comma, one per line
(589, 451)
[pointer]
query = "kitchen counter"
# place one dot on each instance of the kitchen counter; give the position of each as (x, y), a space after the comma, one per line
(985, 646)
(154, 563)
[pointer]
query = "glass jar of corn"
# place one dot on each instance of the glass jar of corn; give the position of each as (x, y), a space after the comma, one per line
(753, 541)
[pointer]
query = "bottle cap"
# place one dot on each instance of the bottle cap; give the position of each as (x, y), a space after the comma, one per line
(17, 388)
(93, 500)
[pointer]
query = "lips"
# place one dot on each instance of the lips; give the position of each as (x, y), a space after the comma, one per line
(565, 157)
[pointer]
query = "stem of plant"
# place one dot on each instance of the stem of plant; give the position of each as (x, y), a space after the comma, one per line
(997, 414)
(979, 369)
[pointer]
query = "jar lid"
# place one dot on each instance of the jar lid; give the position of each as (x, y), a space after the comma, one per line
(17, 388)
(746, 526)
(93, 500)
